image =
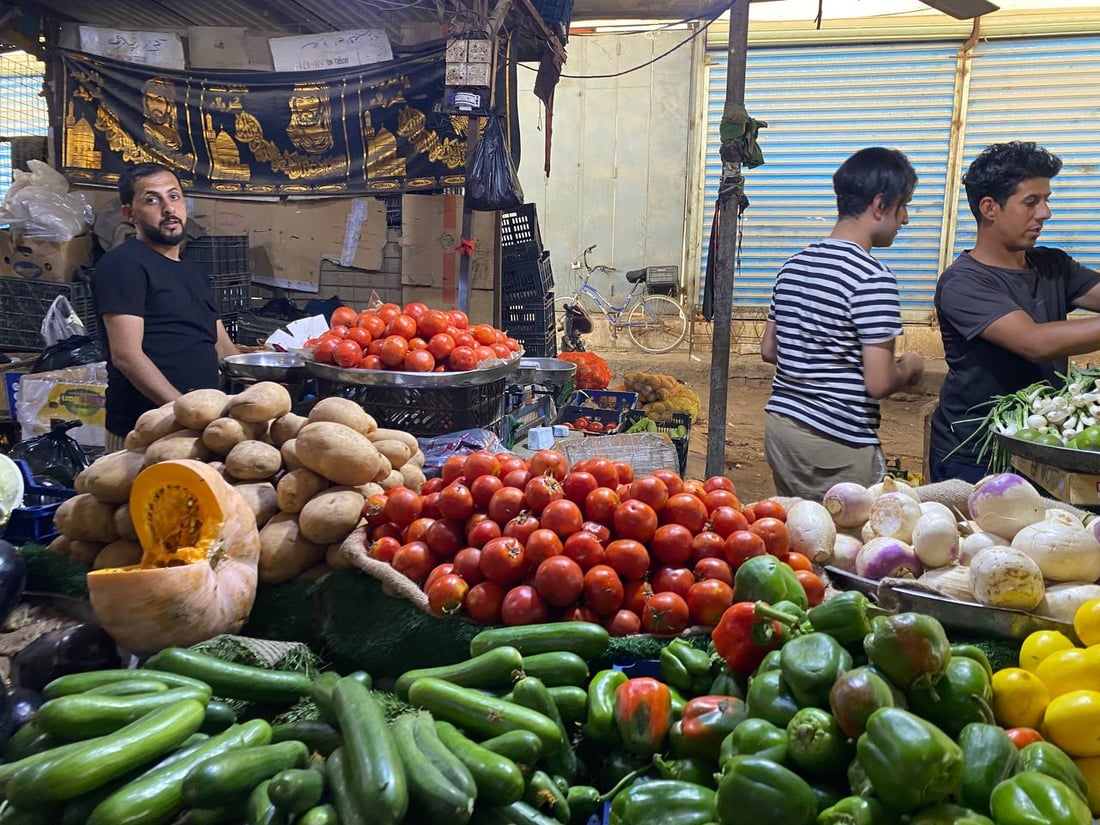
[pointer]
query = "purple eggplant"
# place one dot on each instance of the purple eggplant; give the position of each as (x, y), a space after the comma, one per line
(76, 649)
(13, 578)
(24, 703)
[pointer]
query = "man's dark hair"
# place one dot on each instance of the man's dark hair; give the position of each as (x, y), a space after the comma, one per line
(998, 170)
(871, 172)
(129, 178)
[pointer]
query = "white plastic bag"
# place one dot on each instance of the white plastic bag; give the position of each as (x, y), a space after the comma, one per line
(61, 322)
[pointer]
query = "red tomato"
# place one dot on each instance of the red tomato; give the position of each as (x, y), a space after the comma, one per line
(770, 508)
(371, 323)
(463, 339)
(512, 344)
(603, 589)
(742, 545)
(417, 344)
(467, 564)
(388, 311)
(726, 520)
(580, 613)
(720, 498)
(707, 545)
(797, 561)
(672, 480)
(484, 334)
(624, 623)
(665, 614)
(403, 506)
(707, 601)
(508, 463)
(686, 509)
(635, 595)
(625, 471)
(559, 580)
(501, 351)
(418, 530)
(393, 350)
(429, 505)
(462, 359)
(506, 504)
(459, 320)
(585, 549)
(695, 487)
(718, 483)
(484, 601)
(577, 485)
(517, 478)
(635, 520)
(445, 538)
(432, 322)
(600, 531)
(563, 517)
(540, 491)
(676, 580)
(603, 469)
(481, 463)
(523, 605)
(322, 353)
(581, 422)
(452, 468)
(414, 559)
(483, 353)
(483, 532)
(541, 545)
(503, 561)
(521, 527)
(419, 361)
(482, 489)
(343, 316)
(415, 309)
(650, 490)
(446, 595)
(359, 336)
(814, 587)
(600, 505)
(441, 346)
(383, 549)
(773, 532)
(628, 558)
(381, 531)
(671, 544)
(374, 509)
(339, 331)
(548, 462)
(1022, 737)
(713, 568)
(456, 502)
(370, 362)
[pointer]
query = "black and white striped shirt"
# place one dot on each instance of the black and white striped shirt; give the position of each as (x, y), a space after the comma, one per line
(828, 301)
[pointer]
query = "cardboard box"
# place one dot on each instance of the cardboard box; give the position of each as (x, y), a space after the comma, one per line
(163, 49)
(217, 47)
(71, 393)
(480, 309)
(431, 244)
(331, 50)
(42, 260)
(20, 364)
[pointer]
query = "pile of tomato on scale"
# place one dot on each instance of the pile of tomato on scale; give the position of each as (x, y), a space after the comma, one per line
(506, 541)
(413, 339)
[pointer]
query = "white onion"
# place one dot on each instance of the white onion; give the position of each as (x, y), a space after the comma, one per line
(1064, 549)
(887, 557)
(894, 515)
(812, 531)
(1004, 504)
(845, 550)
(936, 540)
(848, 503)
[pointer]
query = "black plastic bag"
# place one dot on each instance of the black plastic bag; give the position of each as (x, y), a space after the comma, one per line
(72, 352)
(491, 181)
(55, 456)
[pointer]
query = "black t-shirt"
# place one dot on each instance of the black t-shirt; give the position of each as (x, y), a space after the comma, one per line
(969, 297)
(175, 299)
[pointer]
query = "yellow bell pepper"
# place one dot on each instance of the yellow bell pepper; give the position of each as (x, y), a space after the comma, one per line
(1039, 645)
(1086, 622)
(1019, 698)
(1072, 722)
(1090, 767)
(1069, 670)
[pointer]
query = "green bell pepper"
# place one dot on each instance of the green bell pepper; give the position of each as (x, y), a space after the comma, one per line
(600, 723)
(792, 609)
(755, 737)
(816, 745)
(855, 695)
(752, 791)
(685, 668)
(678, 703)
(846, 617)
(962, 696)
(769, 662)
(770, 698)
(585, 800)
(667, 801)
(1032, 798)
(617, 764)
(1043, 757)
(990, 758)
(724, 684)
(947, 814)
(827, 793)
(911, 763)
(856, 810)
(976, 653)
(810, 665)
(909, 648)
(689, 769)
(767, 579)
(858, 782)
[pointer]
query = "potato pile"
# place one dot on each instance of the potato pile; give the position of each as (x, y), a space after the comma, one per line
(306, 479)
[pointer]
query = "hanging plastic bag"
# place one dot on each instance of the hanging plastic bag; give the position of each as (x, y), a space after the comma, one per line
(70, 352)
(55, 456)
(61, 322)
(491, 181)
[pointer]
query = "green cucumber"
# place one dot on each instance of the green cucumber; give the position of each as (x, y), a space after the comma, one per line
(479, 713)
(84, 715)
(27, 741)
(375, 772)
(320, 737)
(230, 680)
(560, 760)
(297, 790)
(518, 813)
(231, 814)
(587, 639)
(499, 780)
(97, 761)
(544, 795)
(520, 746)
(321, 815)
(433, 797)
(224, 778)
(494, 669)
(320, 693)
(343, 797)
(12, 816)
(572, 703)
(129, 687)
(10, 769)
(557, 669)
(439, 755)
(83, 682)
(155, 797)
(219, 716)
(260, 811)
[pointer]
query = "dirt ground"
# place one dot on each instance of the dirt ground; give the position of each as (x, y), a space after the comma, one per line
(902, 430)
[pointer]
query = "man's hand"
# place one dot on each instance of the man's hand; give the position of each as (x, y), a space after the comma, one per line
(912, 365)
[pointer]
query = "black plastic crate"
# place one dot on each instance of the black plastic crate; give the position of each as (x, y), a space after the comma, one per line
(532, 324)
(665, 427)
(253, 330)
(428, 411)
(219, 254)
(24, 303)
(527, 282)
(520, 240)
(232, 293)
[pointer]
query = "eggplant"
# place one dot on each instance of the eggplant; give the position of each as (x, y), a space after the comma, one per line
(13, 578)
(6, 722)
(24, 703)
(75, 649)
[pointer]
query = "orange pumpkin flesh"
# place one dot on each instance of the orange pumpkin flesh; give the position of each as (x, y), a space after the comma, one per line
(197, 576)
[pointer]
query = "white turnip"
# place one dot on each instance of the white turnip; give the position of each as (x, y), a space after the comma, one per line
(936, 540)
(1004, 504)
(894, 515)
(887, 557)
(848, 503)
(812, 531)
(845, 550)
(935, 508)
(893, 485)
(1064, 549)
(952, 581)
(1062, 600)
(1003, 577)
(970, 546)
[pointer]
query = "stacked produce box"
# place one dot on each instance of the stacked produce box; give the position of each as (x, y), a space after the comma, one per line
(528, 284)
(225, 260)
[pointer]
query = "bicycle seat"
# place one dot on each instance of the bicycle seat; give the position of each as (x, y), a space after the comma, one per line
(636, 276)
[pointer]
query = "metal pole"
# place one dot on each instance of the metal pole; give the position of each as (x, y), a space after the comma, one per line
(731, 190)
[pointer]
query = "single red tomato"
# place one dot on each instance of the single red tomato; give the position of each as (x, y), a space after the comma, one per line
(359, 336)
(432, 322)
(338, 331)
(484, 601)
(437, 571)
(462, 359)
(563, 517)
(707, 545)
(452, 468)
(559, 580)
(540, 491)
(1022, 737)
(625, 471)
(671, 544)
(322, 352)
(464, 339)
(580, 613)
(441, 346)
(584, 548)
(418, 530)
(603, 469)
(577, 486)
(374, 509)
(624, 623)
(388, 311)
(371, 323)
(672, 480)
(370, 362)
(720, 498)
(467, 564)
(628, 558)
(415, 309)
(402, 325)
(393, 350)
(548, 462)
(707, 601)
(521, 527)
(481, 463)
(383, 549)
(414, 559)
(482, 489)
(600, 531)
(635, 520)
(483, 532)
(726, 520)
(665, 614)
(523, 605)
(742, 545)
(770, 508)
(541, 545)
(505, 504)
(445, 538)
(600, 505)
(459, 319)
(484, 334)
(418, 344)
(713, 568)
(419, 361)
(603, 589)
(797, 561)
(343, 316)
(718, 483)
(403, 506)
(456, 502)
(774, 533)
(814, 587)
(503, 561)
(517, 478)
(446, 595)
(686, 509)
(635, 595)
(509, 462)
(650, 490)
(429, 505)
(483, 353)
(676, 580)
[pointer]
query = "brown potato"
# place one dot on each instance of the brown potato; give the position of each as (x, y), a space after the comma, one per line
(195, 409)
(85, 518)
(223, 434)
(337, 560)
(253, 461)
(397, 452)
(284, 552)
(111, 476)
(343, 411)
(177, 445)
(286, 427)
(260, 402)
(120, 553)
(124, 525)
(154, 425)
(261, 499)
(337, 452)
(331, 515)
(382, 434)
(289, 452)
(297, 487)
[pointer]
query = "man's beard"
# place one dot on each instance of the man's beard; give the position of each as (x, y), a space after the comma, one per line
(158, 235)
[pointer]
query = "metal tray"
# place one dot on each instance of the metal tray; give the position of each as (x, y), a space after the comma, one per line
(1076, 461)
(398, 378)
(268, 366)
(549, 370)
(998, 622)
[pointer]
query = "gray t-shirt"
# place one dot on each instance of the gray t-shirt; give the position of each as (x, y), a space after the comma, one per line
(969, 297)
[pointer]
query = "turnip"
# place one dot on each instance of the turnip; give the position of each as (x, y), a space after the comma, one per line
(892, 485)
(1003, 577)
(934, 507)
(894, 515)
(936, 540)
(811, 530)
(848, 503)
(845, 550)
(1004, 504)
(886, 557)
(1064, 549)
(1062, 600)
(952, 581)
(970, 546)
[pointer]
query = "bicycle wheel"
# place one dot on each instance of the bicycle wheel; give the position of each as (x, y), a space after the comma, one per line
(656, 324)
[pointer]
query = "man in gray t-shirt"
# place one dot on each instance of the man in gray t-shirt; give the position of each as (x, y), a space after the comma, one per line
(1002, 305)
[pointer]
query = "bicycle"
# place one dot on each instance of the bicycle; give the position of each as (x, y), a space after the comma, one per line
(653, 323)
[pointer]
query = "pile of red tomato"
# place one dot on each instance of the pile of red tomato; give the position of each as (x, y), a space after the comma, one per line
(502, 540)
(413, 339)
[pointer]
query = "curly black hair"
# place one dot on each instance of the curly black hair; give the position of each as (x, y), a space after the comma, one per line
(998, 170)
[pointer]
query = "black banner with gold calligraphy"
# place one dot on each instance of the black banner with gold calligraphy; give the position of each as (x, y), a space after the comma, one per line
(367, 130)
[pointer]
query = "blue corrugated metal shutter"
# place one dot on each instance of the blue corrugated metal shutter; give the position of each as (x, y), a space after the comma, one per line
(822, 103)
(1047, 91)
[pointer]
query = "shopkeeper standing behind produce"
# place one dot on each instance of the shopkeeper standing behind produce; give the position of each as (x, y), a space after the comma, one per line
(1002, 305)
(157, 311)
(832, 324)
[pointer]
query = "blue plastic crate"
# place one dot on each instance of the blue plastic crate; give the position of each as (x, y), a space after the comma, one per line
(34, 521)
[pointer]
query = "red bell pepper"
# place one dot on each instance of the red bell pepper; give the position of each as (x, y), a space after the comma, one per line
(643, 714)
(743, 639)
(706, 721)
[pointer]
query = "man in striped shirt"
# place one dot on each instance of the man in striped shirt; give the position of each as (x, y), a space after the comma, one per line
(832, 325)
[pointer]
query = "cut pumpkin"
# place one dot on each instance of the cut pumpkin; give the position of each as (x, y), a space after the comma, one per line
(197, 575)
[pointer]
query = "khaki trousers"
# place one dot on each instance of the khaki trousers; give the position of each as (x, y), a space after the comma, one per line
(806, 464)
